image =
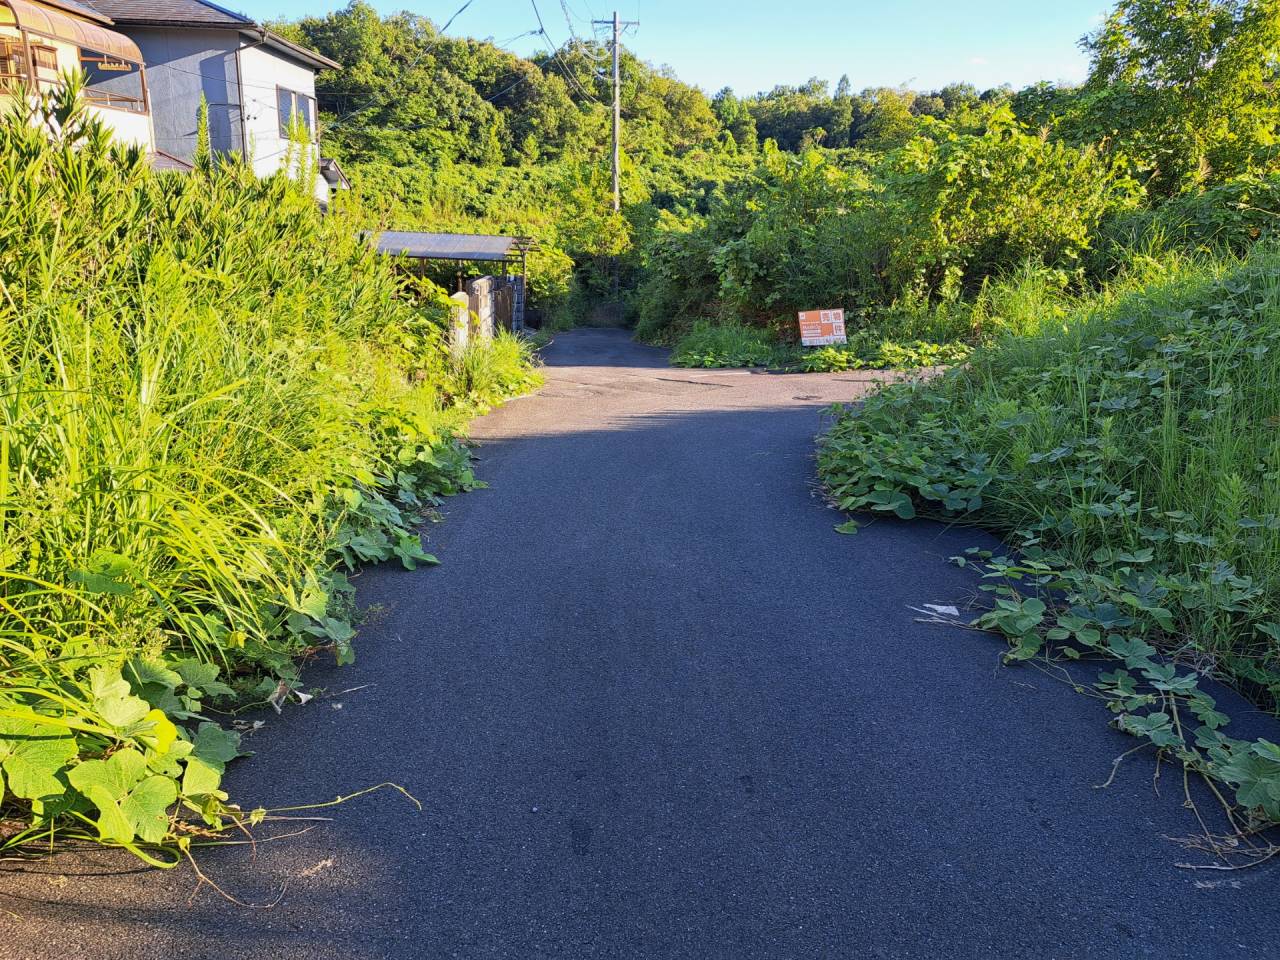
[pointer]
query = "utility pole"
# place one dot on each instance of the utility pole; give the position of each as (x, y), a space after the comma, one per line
(618, 27)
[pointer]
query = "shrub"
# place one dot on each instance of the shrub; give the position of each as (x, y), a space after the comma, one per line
(926, 224)
(726, 345)
(737, 345)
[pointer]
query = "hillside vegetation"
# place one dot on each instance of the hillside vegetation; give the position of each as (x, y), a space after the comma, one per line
(897, 205)
(215, 403)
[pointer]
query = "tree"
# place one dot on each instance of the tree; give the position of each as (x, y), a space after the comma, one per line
(736, 118)
(954, 96)
(889, 123)
(929, 106)
(1186, 87)
(840, 121)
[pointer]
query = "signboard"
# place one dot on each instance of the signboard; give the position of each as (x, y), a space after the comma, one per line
(819, 328)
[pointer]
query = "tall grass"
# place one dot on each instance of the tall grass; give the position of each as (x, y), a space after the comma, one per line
(211, 398)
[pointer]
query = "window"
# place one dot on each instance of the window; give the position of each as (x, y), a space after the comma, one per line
(46, 61)
(46, 58)
(291, 104)
(112, 82)
(13, 64)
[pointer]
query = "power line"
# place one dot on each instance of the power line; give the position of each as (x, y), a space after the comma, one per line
(518, 36)
(439, 38)
(568, 18)
(579, 45)
(555, 55)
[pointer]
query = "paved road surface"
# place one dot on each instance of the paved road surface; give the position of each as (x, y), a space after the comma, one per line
(655, 707)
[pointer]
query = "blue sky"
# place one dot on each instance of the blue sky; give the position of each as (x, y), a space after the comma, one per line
(752, 45)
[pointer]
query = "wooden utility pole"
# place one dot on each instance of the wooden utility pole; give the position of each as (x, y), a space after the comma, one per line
(618, 27)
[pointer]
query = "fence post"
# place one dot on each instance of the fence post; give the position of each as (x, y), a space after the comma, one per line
(459, 324)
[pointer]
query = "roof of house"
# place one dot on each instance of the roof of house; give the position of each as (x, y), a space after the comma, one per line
(449, 246)
(299, 52)
(192, 13)
(160, 160)
(202, 14)
(80, 9)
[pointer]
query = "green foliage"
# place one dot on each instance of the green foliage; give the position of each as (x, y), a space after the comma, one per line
(489, 371)
(971, 205)
(1227, 218)
(411, 96)
(1128, 449)
(925, 223)
(215, 401)
(861, 199)
(1185, 88)
(727, 345)
(203, 159)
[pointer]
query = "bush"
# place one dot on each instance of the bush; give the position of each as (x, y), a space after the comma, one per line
(924, 225)
(1224, 219)
(214, 401)
(726, 345)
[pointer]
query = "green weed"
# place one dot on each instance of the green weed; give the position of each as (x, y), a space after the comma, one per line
(738, 345)
(213, 402)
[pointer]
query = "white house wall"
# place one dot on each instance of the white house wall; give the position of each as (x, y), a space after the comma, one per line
(126, 127)
(262, 71)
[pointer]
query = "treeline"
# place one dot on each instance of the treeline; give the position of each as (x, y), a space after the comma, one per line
(1171, 144)
(409, 95)
(747, 207)
(798, 118)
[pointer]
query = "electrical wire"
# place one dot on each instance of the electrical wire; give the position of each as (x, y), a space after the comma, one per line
(439, 38)
(555, 55)
(579, 45)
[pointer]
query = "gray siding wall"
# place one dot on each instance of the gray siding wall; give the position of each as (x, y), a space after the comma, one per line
(182, 64)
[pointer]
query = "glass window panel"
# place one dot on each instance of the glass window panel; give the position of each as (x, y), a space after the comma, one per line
(284, 107)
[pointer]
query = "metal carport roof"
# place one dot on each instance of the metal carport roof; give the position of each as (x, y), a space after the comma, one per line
(451, 246)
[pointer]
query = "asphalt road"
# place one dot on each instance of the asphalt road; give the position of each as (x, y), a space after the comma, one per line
(653, 706)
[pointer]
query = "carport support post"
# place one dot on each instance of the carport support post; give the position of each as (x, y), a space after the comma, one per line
(522, 297)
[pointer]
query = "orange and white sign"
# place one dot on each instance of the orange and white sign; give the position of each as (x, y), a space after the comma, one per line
(818, 328)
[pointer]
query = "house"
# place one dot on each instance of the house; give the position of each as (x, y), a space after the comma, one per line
(257, 84)
(40, 39)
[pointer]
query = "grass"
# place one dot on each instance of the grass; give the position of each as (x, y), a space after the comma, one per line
(734, 344)
(1128, 446)
(213, 402)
